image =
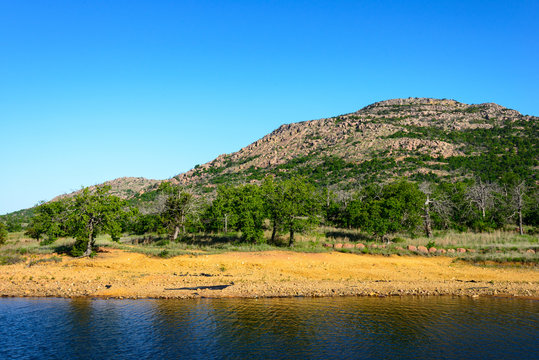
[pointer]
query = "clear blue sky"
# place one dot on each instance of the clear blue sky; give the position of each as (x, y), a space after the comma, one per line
(95, 90)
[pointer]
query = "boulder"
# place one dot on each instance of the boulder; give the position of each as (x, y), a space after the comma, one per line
(374, 246)
(328, 245)
(432, 250)
(422, 249)
(461, 250)
(530, 251)
(411, 248)
(348, 246)
(441, 251)
(337, 246)
(360, 246)
(451, 251)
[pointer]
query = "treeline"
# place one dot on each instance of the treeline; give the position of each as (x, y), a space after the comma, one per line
(289, 207)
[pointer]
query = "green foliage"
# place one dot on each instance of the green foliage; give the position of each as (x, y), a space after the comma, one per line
(238, 208)
(13, 225)
(491, 153)
(164, 254)
(181, 210)
(11, 259)
(147, 223)
(293, 205)
(49, 220)
(389, 209)
(83, 217)
(3, 233)
(91, 213)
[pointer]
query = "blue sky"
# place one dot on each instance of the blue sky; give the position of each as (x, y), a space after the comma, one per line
(95, 90)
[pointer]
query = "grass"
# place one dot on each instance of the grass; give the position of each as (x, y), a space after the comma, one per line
(8, 259)
(496, 247)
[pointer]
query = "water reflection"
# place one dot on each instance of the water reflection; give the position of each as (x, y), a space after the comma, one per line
(407, 327)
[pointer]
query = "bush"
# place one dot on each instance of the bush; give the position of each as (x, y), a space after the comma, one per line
(79, 248)
(55, 259)
(11, 259)
(164, 254)
(3, 233)
(162, 242)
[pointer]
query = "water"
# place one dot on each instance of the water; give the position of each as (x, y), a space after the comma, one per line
(407, 327)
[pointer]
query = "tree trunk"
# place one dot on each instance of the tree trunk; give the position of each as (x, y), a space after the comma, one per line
(88, 251)
(274, 232)
(176, 233)
(428, 228)
(291, 241)
(520, 228)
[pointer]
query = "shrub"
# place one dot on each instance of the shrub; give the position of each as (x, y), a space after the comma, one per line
(3, 233)
(11, 259)
(164, 254)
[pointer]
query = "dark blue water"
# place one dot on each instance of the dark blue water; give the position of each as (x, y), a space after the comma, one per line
(407, 327)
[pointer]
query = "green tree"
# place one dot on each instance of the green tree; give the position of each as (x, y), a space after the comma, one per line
(222, 215)
(181, 209)
(90, 213)
(239, 208)
(3, 233)
(384, 210)
(292, 205)
(49, 220)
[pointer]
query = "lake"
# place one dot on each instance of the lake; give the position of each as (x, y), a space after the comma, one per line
(321, 328)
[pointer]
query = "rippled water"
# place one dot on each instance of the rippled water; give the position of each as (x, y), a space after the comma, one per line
(395, 327)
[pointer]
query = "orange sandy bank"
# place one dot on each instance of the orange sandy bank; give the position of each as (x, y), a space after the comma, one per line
(262, 274)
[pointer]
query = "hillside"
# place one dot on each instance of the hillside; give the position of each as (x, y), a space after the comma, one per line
(417, 138)
(125, 187)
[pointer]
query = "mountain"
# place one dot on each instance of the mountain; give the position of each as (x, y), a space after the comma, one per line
(416, 138)
(124, 187)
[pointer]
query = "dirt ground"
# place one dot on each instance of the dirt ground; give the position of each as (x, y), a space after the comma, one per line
(119, 274)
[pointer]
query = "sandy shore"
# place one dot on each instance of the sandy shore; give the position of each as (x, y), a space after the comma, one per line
(119, 274)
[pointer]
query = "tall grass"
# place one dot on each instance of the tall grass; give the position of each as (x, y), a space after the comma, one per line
(497, 246)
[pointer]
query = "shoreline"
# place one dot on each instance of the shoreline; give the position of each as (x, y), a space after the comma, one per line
(116, 274)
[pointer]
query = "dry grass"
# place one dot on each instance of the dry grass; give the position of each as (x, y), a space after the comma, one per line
(497, 246)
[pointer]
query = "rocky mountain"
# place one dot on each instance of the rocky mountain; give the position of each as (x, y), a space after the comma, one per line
(125, 187)
(416, 138)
